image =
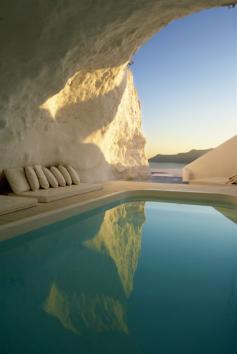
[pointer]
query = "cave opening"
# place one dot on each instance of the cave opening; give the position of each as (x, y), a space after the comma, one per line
(67, 95)
(186, 78)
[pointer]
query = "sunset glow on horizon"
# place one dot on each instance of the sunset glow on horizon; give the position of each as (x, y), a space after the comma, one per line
(186, 77)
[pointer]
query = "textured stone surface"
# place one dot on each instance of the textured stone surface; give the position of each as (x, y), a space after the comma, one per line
(66, 93)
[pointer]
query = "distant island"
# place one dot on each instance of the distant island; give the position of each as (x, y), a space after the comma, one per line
(183, 157)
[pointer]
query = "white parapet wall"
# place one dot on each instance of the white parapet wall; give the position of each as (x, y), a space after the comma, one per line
(219, 162)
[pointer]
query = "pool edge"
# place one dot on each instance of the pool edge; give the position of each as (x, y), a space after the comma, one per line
(16, 228)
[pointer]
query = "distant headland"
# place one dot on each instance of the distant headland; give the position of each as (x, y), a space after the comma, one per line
(183, 157)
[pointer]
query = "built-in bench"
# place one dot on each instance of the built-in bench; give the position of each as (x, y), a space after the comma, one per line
(45, 184)
(10, 204)
(52, 194)
(213, 181)
(210, 181)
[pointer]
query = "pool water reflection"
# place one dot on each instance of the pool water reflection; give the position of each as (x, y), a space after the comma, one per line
(141, 277)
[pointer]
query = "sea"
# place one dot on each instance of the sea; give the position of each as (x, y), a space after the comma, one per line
(166, 172)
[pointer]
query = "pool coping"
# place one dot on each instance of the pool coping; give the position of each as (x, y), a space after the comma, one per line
(16, 228)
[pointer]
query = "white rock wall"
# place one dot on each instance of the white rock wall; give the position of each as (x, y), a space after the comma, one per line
(66, 94)
(96, 127)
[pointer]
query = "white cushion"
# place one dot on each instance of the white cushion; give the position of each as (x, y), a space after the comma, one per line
(65, 174)
(17, 179)
(41, 177)
(50, 177)
(32, 178)
(58, 175)
(74, 175)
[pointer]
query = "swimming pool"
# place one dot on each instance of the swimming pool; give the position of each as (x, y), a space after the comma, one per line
(134, 277)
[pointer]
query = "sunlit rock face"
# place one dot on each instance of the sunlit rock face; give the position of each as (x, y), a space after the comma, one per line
(66, 92)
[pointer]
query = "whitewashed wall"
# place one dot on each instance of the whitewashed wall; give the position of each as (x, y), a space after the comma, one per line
(220, 162)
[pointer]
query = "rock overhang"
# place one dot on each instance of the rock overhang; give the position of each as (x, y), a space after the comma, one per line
(66, 89)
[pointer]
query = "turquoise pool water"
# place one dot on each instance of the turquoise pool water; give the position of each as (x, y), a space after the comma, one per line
(140, 277)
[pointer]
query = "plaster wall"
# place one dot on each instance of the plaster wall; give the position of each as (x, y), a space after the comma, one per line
(220, 162)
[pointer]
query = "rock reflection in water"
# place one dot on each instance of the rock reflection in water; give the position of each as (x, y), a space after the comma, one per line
(90, 291)
(78, 312)
(120, 238)
(64, 288)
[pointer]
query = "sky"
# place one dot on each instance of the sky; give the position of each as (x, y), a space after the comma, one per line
(186, 78)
